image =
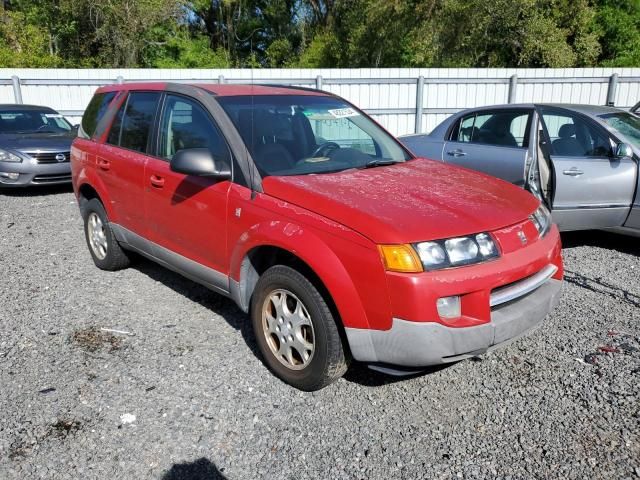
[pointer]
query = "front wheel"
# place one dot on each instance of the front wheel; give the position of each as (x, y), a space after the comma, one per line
(296, 331)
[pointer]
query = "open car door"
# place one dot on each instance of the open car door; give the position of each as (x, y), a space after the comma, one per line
(591, 187)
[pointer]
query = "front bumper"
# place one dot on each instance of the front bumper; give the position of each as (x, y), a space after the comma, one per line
(31, 173)
(419, 344)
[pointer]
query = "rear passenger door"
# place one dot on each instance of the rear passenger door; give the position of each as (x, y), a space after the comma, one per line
(122, 158)
(491, 141)
(187, 214)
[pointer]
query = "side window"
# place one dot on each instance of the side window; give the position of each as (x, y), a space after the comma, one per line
(466, 132)
(503, 129)
(571, 136)
(137, 120)
(94, 112)
(185, 124)
(116, 125)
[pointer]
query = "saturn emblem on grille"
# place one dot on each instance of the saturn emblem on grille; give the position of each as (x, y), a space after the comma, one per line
(522, 237)
(61, 157)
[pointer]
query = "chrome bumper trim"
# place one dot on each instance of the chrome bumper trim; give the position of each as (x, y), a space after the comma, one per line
(516, 290)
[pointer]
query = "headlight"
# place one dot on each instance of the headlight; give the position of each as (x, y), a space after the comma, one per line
(541, 218)
(457, 251)
(6, 156)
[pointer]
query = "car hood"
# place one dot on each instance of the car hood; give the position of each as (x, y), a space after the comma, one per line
(408, 202)
(37, 141)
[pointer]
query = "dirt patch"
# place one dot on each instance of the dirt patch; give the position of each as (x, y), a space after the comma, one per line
(93, 339)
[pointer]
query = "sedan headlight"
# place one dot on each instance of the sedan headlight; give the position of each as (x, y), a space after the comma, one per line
(454, 252)
(541, 218)
(6, 156)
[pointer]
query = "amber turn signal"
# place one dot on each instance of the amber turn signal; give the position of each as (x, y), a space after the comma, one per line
(400, 258)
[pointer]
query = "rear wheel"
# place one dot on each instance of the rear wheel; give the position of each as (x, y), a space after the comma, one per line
(295, 330)
(105, 250)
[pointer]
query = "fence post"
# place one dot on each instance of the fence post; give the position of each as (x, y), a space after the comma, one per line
(119, 80)
(319, 82)
(513, 86)
(612, 90)
(419, 106)
(221, 79)
(17, 91)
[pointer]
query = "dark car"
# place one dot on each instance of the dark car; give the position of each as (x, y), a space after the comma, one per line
(35, 145)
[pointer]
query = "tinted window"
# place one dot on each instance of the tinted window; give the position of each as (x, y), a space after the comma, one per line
(132, 125)
(32, 121)
(504, 129)
(185, 124)
(572, 136)
(94, 112)
(116, 126)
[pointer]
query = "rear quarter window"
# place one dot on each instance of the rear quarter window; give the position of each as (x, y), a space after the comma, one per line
(94, 112)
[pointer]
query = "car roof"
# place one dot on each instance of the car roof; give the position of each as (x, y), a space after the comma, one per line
(586, 109)
(222, 90)
(22, 106)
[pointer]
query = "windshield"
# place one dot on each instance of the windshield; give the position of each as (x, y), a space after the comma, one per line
(302, 134)
(33, 121)
(627, 124)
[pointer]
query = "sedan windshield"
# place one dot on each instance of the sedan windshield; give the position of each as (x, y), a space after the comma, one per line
(303, 134)
(33, 121)
(627, 124)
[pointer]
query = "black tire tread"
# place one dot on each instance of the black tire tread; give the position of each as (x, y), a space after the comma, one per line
(336, 362)
(117, 258)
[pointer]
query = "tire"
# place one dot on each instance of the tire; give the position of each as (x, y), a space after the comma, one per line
(313, 321)
(105, 250)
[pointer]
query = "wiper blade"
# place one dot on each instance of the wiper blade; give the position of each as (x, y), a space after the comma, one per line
(379, 163)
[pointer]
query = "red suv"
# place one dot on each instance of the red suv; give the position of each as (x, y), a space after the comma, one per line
(317, 222)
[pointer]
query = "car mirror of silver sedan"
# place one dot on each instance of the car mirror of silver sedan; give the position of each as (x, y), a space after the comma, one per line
(623, 150)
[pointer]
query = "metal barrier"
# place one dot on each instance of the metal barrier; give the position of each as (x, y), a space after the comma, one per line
(421, 83)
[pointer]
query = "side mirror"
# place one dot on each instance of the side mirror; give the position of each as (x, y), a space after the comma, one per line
(199, 162)
(623, 150)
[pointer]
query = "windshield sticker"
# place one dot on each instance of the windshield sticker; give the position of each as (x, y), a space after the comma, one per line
(343, 112)
(53, 115)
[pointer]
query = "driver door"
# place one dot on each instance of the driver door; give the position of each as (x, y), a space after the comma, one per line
(593, 189)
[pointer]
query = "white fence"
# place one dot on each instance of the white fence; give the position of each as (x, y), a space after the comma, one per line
(404, 100)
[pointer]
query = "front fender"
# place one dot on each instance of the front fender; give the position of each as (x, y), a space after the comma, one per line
(306, 244)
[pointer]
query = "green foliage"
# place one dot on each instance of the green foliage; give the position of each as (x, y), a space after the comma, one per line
(319, 33)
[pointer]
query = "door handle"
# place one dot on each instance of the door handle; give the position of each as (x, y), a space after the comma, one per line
(573, 172)
(104, 164)
(456, 153)
(157, 181)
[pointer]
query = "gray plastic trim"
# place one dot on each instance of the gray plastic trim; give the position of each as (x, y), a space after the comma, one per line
(210, 278)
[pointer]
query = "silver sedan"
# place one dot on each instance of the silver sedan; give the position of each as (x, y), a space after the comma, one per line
(581, 160)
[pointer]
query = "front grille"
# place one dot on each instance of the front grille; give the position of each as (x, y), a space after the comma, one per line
(65, 177)
(49, 157)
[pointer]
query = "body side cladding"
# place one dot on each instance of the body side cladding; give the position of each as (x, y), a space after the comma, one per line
(210, 278)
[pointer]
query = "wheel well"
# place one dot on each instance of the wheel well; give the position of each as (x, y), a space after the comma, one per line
(259, 259)
(85, 193)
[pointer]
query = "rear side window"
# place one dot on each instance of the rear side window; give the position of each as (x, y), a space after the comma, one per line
(132, 125)
(502, 129)
(94, 112)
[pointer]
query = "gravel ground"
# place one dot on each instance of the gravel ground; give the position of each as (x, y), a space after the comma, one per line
(183, 395)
